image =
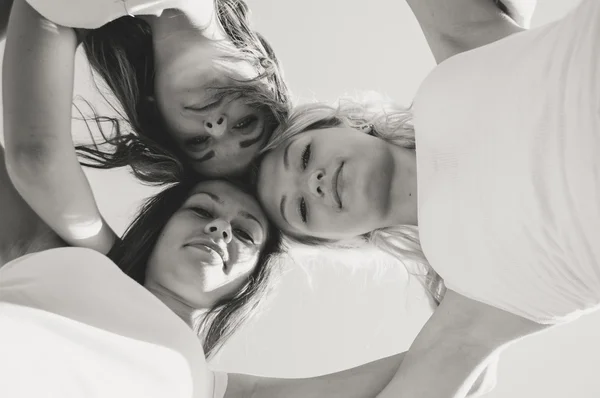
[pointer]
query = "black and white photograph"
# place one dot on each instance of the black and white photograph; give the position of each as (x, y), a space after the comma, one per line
(300, 199)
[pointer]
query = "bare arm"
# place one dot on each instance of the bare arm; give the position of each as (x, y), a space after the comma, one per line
(454, 346)
(21, 230)
(38, 76)
(455, 26)
(362, 381)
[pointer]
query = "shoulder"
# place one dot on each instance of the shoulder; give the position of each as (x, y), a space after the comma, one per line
(53, 264)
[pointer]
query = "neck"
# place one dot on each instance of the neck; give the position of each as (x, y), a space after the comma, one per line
(183, 310)
(403, 208)
(196, 15)
(178, 41)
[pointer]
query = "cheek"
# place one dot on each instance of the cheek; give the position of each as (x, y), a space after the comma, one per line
(244, 260)
(161, 250)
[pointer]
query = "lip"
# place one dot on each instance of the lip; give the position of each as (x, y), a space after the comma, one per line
(335, 186)
(211, 246)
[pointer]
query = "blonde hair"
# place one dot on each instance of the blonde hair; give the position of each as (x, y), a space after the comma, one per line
(374, 115)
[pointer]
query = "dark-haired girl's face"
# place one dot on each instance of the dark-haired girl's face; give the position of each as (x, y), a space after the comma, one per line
(218, 137)
(210, 245)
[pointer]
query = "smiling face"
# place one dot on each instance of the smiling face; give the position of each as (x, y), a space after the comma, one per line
(210, 246)
(335, 183)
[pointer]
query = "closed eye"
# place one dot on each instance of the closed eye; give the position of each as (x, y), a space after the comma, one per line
(243, 235)
(302, 210)
(246, 122)
(305, 156)
(202, 212)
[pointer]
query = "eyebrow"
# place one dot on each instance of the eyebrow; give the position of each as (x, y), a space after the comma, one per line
(286, 162)
(212, 196)
(249, 216)
(282, 208)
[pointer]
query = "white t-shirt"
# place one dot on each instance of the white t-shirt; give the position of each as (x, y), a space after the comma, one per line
(72, 324)
(508, 160)
(92, 14)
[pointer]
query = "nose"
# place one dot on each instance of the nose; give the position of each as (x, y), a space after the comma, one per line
(216, 125)
(316, 183)
(219, 229)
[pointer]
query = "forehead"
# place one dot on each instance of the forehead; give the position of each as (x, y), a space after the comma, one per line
(232, 198)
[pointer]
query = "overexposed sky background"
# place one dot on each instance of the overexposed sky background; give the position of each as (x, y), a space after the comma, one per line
(336, 310)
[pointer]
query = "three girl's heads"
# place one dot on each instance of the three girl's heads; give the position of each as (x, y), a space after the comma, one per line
(322, 178)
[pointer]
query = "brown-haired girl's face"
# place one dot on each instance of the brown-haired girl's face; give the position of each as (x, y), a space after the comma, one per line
(218, 136)
(210, 246)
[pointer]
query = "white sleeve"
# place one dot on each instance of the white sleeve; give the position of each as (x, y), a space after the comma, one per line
(92, 14)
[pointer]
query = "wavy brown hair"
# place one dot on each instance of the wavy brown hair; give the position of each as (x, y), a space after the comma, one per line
(121, 54)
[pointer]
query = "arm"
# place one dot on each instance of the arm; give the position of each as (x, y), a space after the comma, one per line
(41, 161)
(454, 346)
(21, 230)
(455, 26)
(362, 381)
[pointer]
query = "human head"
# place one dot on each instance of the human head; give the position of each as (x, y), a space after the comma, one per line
(369, 123)
(163, 107)
(338, 164)
(208, 246)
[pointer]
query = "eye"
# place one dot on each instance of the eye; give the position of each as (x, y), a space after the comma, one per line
(246, 122)
(305, 157)
(202, 212)
(302, 208)
(243, 235)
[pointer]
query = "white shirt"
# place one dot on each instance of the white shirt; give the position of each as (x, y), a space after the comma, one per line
(508, 160)
(72, 324)
(92, 14)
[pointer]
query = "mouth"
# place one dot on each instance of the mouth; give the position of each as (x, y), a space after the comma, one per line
(210, 246)
(335, 186)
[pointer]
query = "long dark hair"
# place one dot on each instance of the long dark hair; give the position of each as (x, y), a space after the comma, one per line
(132, 252)
(122, 55)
